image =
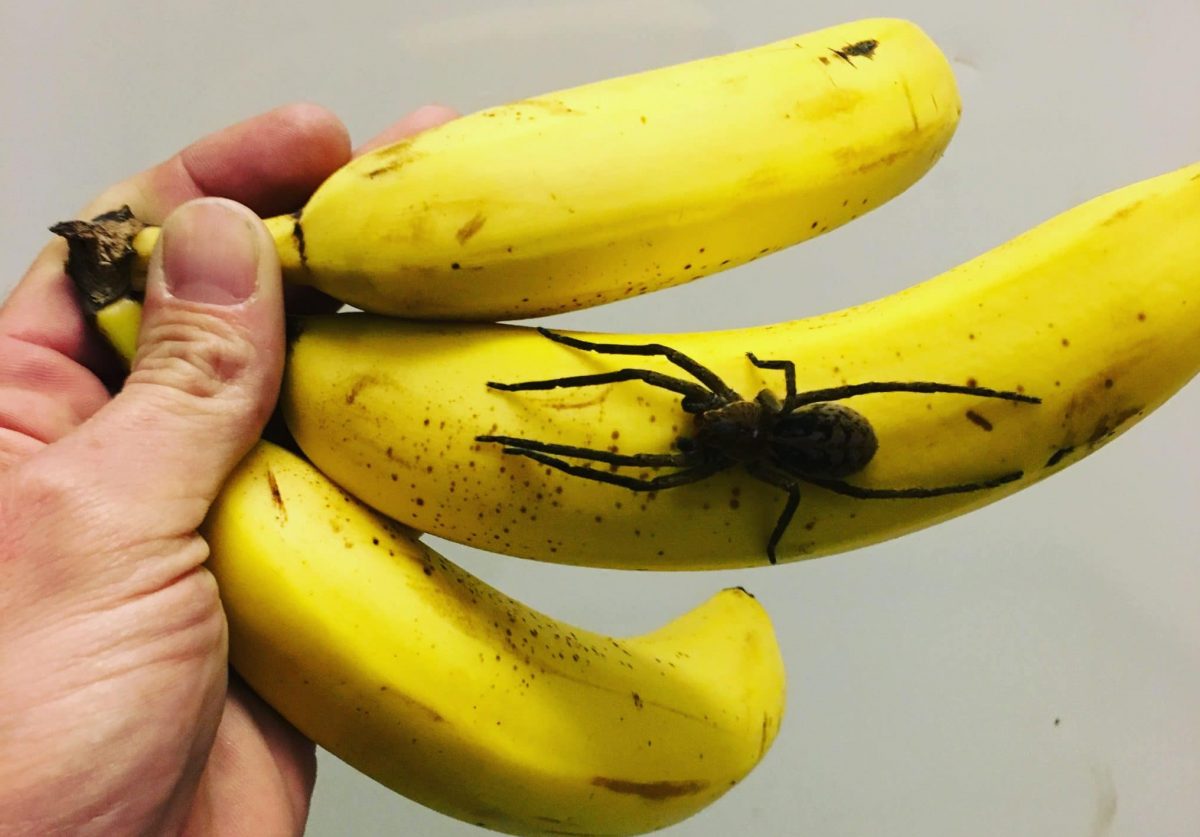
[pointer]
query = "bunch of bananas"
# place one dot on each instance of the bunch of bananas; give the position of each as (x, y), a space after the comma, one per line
(422, 413)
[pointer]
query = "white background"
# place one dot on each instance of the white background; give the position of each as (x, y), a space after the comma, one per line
(1029, 669)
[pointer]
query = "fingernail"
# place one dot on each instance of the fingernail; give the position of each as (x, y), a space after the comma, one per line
(209, 254)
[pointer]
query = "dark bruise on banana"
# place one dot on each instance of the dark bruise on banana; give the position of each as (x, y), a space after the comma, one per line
(860, 49)
(298, 237)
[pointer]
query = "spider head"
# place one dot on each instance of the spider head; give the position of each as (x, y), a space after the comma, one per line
(823, 440)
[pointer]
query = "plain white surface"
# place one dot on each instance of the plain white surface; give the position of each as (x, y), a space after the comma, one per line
(1032, 668)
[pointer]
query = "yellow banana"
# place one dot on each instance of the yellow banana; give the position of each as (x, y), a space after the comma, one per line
(461, 698)
(1093, 313)
(620, 187)
(445, 690)
(465, 700)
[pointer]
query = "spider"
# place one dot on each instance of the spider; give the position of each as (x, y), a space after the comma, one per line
(805, 438)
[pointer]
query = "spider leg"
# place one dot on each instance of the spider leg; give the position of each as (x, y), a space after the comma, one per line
(785, 519)
(839, 487)
(695, 396)
(672, 480)
(646, 460)
(792, 487)
(850, 390)
(694, 368)
(789, 375)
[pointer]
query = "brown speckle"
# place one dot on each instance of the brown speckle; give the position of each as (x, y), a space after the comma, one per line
(865, 48)
(276, 495)
(384, 169)
(1059, 455)
(652, 790)
(391, 158)
(470, 228)
(859, 49)
(298, 237)
(1121, 214)
(357, 388)
(977, 419)
(1107, 426)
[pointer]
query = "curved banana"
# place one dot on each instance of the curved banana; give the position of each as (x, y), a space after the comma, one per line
(625, 186)
(465, 700)
(1093, 314)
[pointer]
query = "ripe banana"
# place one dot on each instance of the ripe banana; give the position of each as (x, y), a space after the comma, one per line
(465, 700)
(1092, 314)
(625, 186)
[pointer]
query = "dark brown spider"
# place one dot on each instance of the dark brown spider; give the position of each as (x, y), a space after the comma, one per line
(804, 438)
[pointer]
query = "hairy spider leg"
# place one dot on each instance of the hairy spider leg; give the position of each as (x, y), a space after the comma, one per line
(672, 480)
(812, 396)
(645, 460)
(839, 487)
(795, 399)
(693, 367)
(696, 398)
(791, 485)
(789, 375)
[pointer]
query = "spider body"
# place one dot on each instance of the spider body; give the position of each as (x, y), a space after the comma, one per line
(817, 440)
(804, 438)
(738, 431)
(824, 440)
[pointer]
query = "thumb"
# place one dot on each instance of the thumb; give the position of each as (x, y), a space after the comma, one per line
(205, 378)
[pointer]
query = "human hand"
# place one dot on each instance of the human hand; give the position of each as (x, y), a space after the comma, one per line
(117, 715)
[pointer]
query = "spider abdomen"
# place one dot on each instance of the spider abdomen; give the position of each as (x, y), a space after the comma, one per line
(823, 440)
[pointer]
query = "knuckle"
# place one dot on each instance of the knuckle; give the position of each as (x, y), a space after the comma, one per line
(33, 497)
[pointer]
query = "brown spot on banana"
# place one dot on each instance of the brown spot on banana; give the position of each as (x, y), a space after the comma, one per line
(357, 387)
(298, 237)
(977, 419)
(859, 49)
(276, 495)
(1121, 214)
(1059, 455)
(467, 230)
(850, 158)
(555, 106)
(392, 158)
(1108, 425)
(652, 790)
